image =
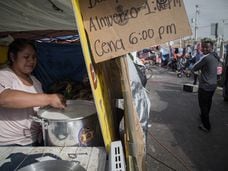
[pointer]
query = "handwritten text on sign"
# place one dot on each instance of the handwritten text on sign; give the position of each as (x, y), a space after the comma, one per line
(117, 27)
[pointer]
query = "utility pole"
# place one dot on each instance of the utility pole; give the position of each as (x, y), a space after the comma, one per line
(196, 22)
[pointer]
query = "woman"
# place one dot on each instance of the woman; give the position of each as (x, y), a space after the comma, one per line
(21, 95)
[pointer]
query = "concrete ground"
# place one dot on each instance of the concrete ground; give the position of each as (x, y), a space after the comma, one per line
(174, 141)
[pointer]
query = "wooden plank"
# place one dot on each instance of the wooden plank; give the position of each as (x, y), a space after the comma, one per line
(91, 158)
(97, 159)
(38, 154)
(134, 136)
(68, 153)
(5, 151)
(83, 156)
(15, 155)
(52, 151)
(20, 154)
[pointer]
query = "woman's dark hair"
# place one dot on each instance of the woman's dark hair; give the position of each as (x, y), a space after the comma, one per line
(16, 46)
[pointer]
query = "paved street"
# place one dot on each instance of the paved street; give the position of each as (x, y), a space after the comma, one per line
(174, 140)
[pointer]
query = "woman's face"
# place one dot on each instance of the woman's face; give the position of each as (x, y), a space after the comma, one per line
(25, 60)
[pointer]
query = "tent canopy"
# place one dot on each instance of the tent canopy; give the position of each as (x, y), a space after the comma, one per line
(53, 16)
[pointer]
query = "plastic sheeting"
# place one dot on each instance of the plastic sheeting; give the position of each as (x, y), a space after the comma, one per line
(140, 95)
(59, 62)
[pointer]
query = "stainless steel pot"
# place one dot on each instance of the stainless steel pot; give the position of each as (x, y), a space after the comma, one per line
(54, 165)
(77, 125)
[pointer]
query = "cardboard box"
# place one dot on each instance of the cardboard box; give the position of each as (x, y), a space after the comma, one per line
(190, 88)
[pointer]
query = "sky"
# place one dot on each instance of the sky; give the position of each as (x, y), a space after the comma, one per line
(210, 11)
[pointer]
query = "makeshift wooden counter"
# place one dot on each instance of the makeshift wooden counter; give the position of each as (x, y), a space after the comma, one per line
(14, 158)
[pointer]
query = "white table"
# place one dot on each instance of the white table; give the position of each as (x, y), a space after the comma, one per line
(91, 158)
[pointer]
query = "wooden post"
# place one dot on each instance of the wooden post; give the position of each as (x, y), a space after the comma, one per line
(135, 146)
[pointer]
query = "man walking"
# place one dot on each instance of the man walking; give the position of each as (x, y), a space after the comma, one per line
(207, 81)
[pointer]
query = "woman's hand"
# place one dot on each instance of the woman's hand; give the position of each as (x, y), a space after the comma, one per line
(57, 101)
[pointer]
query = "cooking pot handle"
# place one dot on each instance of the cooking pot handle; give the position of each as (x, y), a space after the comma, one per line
(44, 126)
(36, 119)
(41, 121)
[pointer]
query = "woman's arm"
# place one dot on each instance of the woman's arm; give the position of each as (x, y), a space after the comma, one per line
(20, 99)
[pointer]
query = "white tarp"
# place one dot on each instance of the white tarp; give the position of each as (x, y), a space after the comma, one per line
(28, 15)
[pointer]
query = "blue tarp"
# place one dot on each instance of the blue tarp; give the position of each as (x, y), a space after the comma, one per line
(59, 62)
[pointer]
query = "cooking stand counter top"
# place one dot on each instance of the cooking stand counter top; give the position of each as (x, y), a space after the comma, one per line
(90, 158)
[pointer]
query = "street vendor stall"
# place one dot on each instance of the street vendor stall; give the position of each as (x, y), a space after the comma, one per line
(108, 31)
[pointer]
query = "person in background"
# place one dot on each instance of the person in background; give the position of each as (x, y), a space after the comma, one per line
(198, 54)
(20, 96)
(176, 54)
(189, 50)
(164, 56)
(207, 81)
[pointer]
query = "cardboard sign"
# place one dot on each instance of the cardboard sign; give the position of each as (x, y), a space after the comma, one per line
(117, 27)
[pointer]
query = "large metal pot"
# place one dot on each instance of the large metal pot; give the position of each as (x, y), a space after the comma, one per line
(54, 165)
(76, 125)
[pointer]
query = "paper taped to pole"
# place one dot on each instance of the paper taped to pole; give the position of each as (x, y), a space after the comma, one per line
(117, 27)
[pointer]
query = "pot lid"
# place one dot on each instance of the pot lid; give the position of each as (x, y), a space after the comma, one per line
(54, 165)
(76, 109)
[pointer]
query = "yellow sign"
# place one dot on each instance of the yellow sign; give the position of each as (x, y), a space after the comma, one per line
(96, 77)
(117, 27)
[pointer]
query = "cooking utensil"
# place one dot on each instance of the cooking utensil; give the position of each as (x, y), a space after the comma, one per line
(54, 165)
(76, 125)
